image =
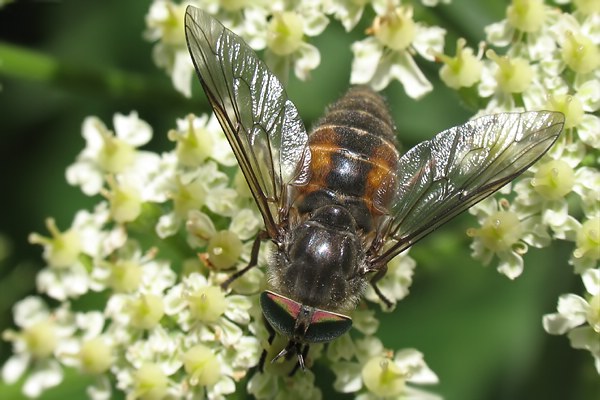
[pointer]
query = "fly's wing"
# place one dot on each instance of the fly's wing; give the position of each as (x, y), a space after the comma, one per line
(261, 124)
(459, 167)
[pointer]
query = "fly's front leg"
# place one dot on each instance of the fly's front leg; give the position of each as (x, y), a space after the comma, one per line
(263, 356)
(378, 275)
(262, 235)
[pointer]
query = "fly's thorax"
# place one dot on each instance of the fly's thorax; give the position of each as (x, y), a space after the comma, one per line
(318, 265)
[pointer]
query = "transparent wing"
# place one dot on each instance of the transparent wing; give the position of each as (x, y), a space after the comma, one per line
(461, 166)
(261, 124)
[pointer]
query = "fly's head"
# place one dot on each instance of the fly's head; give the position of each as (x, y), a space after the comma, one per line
(301, 323)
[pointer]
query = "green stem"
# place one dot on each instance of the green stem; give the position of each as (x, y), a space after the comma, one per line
(21, 63)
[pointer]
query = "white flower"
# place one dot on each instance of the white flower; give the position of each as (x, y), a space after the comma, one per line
(43, 334)
(199, 138)
(502, 78)
(191, 190)
(389, 53)
(147, 380)
(544, 191)
(91, 353)
(531, 22)
(164, 23)
(378, 373)
(587, 252)
(580, 318)
(204, 311)
(68, 253)
(505, 233)
(462, 70)
(214, 368)
(579, 45)
(395, 283)
(271, 386)
(285, 40)
(349, 13)
(111, 153)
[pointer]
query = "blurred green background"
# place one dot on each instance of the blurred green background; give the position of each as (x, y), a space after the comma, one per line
(480, 333)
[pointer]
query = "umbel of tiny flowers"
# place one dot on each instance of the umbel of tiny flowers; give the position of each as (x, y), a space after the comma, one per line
(284, 30)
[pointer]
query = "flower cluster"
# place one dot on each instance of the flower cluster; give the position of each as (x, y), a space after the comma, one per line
(146, 265)
(542, 57)
(283, 29)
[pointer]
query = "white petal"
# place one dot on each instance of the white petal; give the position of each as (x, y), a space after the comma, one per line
(101, 389)
(589, 95)
(585, 338)
(347, 377)
(61, 284)
(263, 386)
(413, 361)
(222, 152)
(85, 174)
(511, 264)
(540, 45)
(428, 41)
(404, 68)
(237, 309)
(571, 313)
(348, 13)
(91, 133)
(487, 85)
(589, 130)
(245, 224)
(14, 367)
(367, 54)
(499, 34)
(341, 349)
(167, 225)
(365, 321)
(30, 310)
(315, 22)
(49, 374)
(222, 201)
(225, 385)
(231, 333)
(591, 281)
(307, 58)
(556, 213)
(556, 324)
(183, 71)
(174, 301)
(591, 27)
(247, 352)
(91, 323)
(131, 129)
(570, 304)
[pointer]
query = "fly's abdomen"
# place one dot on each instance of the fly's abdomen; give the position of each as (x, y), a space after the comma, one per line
(353, 151)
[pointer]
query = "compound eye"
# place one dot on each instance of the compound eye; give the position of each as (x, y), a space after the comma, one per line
(281, 313)
(326, 326)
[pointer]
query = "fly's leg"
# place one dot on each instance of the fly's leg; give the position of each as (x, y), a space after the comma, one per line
(263, 355)
(302, 354)
(262, 235)
(378, 275)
